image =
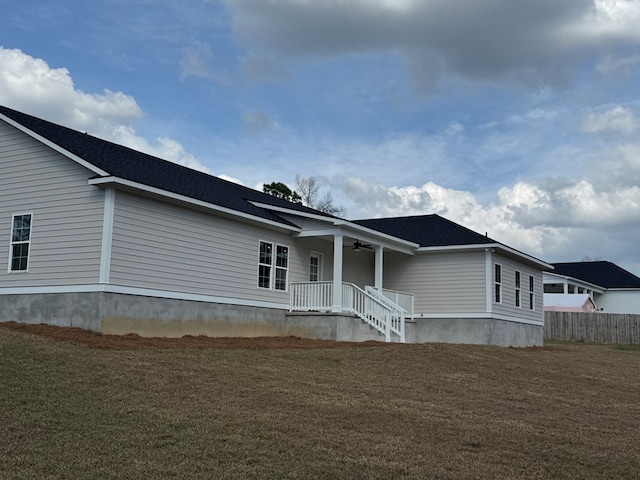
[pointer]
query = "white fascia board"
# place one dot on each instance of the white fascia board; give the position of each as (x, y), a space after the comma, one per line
(144, 292)
(183, 198)
(485, 246)
(576, 281)
(54, 146)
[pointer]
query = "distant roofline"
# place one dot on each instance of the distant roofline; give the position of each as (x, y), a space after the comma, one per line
(578, 280)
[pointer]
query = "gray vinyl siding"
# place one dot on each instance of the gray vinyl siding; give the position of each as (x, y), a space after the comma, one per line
(67, 213)
(163, 246)
(508, 304)
(359, 267)
(451, 282)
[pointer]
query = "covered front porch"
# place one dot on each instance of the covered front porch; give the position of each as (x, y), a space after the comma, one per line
(354, 284)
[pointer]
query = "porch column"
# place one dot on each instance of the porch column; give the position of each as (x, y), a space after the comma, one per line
(379, 267)
(337, 273)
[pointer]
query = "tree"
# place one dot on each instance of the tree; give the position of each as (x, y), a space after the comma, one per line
(280, 190)
(309, 189)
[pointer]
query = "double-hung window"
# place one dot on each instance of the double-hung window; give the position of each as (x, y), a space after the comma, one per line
(532, 296)
(20, 243)
(518, 289)
(273, 266)
(498, 283)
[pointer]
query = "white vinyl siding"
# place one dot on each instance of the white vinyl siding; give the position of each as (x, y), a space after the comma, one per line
(619, 301)
(163, 246)
(65, 245)
(442, 282)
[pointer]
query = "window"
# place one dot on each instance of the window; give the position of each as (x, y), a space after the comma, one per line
(20, 242)
(517, 288)
(498, 282)
(315, 267)
(273, 269)
(282, 267)
(264, 265)
(531, 293)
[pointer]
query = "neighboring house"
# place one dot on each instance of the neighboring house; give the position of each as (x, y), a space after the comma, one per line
(566, 302)
(113, 240)
(612, 288)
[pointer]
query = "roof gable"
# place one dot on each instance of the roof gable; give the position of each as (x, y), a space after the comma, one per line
(603, 273)
(427, 230)
(126, 163)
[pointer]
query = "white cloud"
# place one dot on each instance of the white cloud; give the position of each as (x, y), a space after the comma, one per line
(28, 84)
(558, 220)
(617, 119)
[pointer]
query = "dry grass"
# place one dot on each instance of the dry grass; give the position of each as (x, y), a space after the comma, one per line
(69, 411)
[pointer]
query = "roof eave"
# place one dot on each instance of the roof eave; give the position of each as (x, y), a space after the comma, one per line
(340, 225)
(129, 184)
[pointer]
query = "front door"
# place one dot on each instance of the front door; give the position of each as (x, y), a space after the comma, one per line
(315, 267)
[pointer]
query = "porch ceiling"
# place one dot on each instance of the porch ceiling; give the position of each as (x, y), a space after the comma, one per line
(367, 238)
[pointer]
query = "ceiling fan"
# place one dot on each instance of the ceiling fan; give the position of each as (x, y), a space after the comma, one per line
(357, 246)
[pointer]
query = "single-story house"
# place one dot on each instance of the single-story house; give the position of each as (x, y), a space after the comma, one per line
(110, 239)
(612, 288)
(566, 302)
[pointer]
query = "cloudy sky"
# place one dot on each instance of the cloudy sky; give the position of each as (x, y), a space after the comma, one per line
(516, 118)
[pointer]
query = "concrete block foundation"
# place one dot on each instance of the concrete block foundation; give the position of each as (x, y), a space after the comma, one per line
(115, 313)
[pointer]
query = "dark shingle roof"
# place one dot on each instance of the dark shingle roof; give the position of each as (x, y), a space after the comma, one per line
(139, 167)
(602, 273)
(427, 230)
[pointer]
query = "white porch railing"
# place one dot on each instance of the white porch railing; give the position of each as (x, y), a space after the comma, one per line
(372, 307)
(402, 299)
(311, 296)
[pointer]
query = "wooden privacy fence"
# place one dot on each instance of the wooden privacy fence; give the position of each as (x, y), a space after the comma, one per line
(592, 327)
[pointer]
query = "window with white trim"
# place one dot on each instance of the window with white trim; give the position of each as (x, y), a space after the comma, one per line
(282, 267)
(273, 267)
(518, 289)
(532, 296)
(498, 282)
(265, 261)
(20, 243)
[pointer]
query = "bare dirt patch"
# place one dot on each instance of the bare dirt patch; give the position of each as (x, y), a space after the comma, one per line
(95, 340)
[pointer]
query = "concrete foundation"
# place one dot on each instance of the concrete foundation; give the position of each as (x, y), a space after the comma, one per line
(478, 331)
(114, 313)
